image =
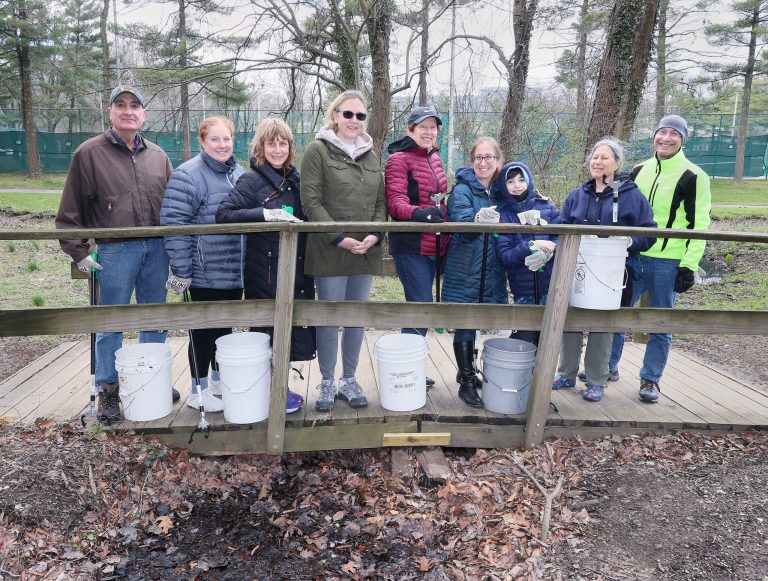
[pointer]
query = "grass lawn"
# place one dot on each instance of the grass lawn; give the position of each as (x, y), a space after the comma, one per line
(26, 203)
(51, 181)
(755, 192)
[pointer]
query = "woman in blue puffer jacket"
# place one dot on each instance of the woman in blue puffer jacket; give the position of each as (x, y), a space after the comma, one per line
(471, 200)
(528, 280)
(210, 266)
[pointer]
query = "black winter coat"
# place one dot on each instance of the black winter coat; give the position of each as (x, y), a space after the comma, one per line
(265, 187)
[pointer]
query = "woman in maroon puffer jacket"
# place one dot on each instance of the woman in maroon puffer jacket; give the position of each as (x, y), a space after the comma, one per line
(413, 175)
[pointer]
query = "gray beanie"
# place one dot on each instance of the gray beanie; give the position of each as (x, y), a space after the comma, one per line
(674, 122)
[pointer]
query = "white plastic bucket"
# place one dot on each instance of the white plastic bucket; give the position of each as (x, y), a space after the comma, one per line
(245, 368)
(599, 277)
(144, 372)
(507, 375)
(402, 362)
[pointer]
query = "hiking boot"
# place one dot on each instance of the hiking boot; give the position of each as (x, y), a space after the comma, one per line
(109, 403)
(327, 397)
(430, 382)
(649, 391)
(613, 375)
(175, 394)
(351, 392)
(210, 403)
(293, 402)
(562, 382)
(593, 392)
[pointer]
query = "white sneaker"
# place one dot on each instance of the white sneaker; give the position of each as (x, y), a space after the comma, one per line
(214, 385)
(210, 403)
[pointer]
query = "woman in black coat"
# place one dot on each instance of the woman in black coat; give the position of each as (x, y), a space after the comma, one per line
(270, 193)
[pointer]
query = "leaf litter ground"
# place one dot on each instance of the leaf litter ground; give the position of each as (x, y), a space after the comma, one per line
(80, 503)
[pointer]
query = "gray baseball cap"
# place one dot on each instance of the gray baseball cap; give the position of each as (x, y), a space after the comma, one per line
(120, 89)
(418, 114)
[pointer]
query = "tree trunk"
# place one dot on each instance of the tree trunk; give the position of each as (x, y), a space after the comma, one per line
(749, 72)
(517, 73)
(581, 67)
(106, 77)
(379, 29)
(34, 169)
(186, 147)
(623, 70)
(424, 52)
(661, 62)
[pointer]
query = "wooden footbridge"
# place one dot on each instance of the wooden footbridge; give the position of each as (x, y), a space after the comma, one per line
(695, 395)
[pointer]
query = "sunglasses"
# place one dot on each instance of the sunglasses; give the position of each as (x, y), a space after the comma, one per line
(350, 114)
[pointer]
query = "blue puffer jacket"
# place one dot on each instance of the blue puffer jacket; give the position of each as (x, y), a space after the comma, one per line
(512, 249)
(463, 263)
(192, 196)
(584, 206)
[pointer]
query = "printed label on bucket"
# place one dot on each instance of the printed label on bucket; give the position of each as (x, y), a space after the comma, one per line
(403, 381)
(578, 278)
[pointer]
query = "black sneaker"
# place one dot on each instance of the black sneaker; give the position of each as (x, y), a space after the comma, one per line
(176, 395)
(110, 403)
(649, 391)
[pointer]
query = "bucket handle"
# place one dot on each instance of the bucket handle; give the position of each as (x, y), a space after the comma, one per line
(142, 386)
(505, 390)
(258, 379)
(597, 278)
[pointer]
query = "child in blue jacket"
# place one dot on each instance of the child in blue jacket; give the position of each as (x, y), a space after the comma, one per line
(523, 254)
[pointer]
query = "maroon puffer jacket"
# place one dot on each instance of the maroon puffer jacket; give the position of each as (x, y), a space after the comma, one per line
(411, 176)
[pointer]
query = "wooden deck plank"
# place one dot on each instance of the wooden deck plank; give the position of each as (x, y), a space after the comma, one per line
(677, 389)
(756, 395)
(694, 396)
(28, 372)
(39, 396)
(445, 402)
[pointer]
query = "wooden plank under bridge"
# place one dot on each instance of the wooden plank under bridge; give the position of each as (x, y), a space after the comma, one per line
(695, 396)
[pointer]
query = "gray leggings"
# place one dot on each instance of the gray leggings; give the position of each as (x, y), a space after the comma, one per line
(596, 357)
(356, 287)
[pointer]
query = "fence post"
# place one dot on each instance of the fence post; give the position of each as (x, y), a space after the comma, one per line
(551, 338)
(281, 339)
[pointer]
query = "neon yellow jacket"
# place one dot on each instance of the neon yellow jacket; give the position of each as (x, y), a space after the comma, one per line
(678, 191)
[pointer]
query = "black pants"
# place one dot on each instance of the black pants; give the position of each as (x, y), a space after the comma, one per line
(205, 339)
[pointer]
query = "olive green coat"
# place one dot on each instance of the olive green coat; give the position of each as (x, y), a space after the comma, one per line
(337, 188)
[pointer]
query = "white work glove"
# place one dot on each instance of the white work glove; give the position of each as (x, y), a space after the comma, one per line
(88, 263)
(487, 216)
(279, 215)
(627, 239)
(177, 284)
(531, 217)
(539, 257)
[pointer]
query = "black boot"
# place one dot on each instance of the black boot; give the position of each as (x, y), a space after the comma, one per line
(109, 408)
(467, 388)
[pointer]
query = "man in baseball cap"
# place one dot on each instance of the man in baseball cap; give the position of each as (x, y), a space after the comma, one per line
(117, 179)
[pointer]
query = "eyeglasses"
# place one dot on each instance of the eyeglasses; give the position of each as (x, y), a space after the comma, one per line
(350, 114)
(485, 158)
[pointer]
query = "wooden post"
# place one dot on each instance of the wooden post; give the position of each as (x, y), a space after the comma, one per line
(551, 338)
(281, 340)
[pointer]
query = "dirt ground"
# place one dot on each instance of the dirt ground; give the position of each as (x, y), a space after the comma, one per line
(81, 503)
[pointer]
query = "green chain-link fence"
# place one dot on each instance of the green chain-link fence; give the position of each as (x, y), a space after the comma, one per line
(544, 142)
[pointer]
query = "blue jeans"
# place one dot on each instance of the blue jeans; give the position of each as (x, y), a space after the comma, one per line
(416, 273)
(127, 265)
(658, 280)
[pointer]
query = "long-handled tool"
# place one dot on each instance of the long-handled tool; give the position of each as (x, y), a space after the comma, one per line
(437, 198)
(202, 425)
(486, 236)
(92, 299)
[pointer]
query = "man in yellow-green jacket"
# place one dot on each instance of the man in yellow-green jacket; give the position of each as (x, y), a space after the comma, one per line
(678, 191)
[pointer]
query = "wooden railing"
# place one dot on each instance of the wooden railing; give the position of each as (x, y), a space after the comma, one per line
(552, 319)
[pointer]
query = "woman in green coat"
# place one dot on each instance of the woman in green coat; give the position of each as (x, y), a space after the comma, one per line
(341, 181)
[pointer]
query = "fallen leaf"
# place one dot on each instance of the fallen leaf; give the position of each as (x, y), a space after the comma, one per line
(164, 523)
(349, 567)
(424, 564)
